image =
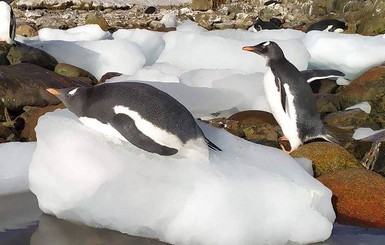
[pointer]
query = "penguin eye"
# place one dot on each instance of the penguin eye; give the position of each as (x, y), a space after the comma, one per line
(68, 96)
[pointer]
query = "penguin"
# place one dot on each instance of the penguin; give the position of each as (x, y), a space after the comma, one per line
(290, 98)
(7, 23)
(265, 25)
(329, 25)
(136, 112)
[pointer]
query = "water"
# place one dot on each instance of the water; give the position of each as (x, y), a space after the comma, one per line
(22, 223)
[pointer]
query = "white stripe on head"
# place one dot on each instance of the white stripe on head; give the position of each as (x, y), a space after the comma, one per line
(266, 43)
(159, 135)
(73, 91)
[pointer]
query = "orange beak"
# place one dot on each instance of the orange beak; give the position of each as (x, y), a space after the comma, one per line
(248, 48)
(53, 91)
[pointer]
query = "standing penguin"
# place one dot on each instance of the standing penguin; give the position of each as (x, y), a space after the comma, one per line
(136, 112)
(7, 23)
(290, 98)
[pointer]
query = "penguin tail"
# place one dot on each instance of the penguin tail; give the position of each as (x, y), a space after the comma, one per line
(212, 146)
(328, 137)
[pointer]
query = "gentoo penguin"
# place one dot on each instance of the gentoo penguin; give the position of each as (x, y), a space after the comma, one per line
(136, 112)
(7, 23)
(265, 25)
(290, 98)
(330, 25)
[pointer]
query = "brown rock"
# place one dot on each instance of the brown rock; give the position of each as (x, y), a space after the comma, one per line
(33, 114)
(98, 19)
(327, 103)
(26, 30)
(204, 5)
(22, 53)
(26, 84)
(326, 157)
(370, 87)
(350, 119)
(74, 71)
(358, 197)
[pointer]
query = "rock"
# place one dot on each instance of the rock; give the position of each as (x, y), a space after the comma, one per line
(74, 72)
(31, 117)
(22, 53)
(26, 30)
(379, 118)
(369, 87)
(327, 103)
(326, 157)
(25, 84)
(350, 119)
(150, 10)
(204, 5)
(98, 19)
(109, 75)
(207, 20)
(358, 197)
(5, 133)
(324, 86)
(372, 26)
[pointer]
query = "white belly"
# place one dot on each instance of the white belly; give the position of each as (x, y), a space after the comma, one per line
(5, 17)
(286, 120)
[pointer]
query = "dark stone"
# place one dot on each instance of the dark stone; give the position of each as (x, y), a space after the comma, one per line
(74, 72)
(150, 10)
(21, 53)
(350, 119)
(26, 84)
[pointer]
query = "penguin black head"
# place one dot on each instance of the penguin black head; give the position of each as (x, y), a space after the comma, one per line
(71, 97)
(269, 50)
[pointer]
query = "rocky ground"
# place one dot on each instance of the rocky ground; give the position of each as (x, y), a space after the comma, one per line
(358, 192)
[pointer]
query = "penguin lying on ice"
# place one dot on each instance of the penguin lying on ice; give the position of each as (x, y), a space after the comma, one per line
(7, 23)
(290, 98)
(329, 25)
(136, 112)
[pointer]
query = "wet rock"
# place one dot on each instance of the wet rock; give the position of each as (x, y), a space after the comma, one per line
(326, 157)
(358, 197)
(25, 84)
(370, 87)
(31, 117)
(98, 19)
(22, 53)
(327, 103)
(27, 30)
(350, 119)
(74, 72)
(109, 75)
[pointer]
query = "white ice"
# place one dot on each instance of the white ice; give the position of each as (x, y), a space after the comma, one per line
(352, 54)
(14, 163)
(80, 33)
(365, 106)
(234, 197)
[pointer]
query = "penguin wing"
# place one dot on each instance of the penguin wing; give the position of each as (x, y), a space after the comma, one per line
(281, 90)
(125, 125)
(317, 74)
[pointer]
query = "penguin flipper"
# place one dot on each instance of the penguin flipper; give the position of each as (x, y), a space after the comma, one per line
(317, 74)
(212, 146)
(125, 125)
(282, 91)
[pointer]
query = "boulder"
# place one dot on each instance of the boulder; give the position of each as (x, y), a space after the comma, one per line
(204, 5)
(327, 103)
(370, 87)
(326, 157)
(358, 196)
(98, 19)
(74, 72)
(22, 53)
(27, 30)
(26, 84)
(350, 119)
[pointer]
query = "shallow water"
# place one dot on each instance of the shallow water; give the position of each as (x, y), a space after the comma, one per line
(22, 222)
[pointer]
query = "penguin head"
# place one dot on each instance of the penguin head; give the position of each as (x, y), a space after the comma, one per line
(269, 50)
(71, 97)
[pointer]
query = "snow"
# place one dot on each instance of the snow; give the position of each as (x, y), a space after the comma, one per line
(361, 133)
(246, 194)
(229, 198)
(365, 106)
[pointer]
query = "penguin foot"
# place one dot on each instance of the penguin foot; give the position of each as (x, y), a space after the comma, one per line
(286, 151)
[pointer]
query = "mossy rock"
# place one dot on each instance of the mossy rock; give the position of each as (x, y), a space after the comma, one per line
(326, 157)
